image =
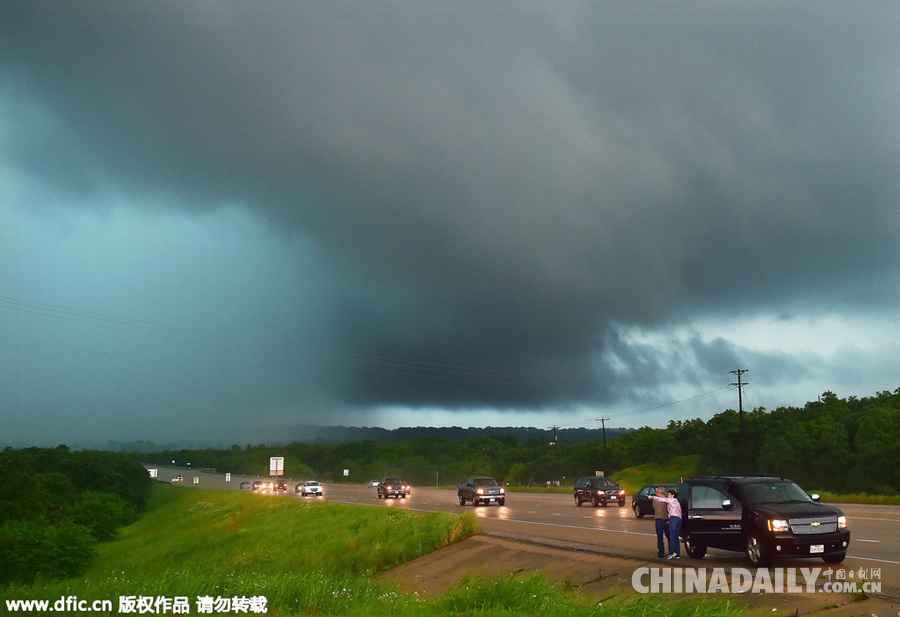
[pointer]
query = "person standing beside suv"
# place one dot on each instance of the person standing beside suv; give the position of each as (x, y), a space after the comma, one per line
(661, 514)
(674, 511)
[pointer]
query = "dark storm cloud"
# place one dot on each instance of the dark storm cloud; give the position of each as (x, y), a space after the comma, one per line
(494, 188)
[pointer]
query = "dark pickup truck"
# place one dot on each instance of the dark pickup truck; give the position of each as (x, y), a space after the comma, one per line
(481, 489)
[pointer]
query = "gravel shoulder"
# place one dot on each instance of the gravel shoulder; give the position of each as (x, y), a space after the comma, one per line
(595, 576)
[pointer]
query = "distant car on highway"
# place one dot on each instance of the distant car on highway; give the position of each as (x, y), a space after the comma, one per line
(178, 479)
(598, 490)
(640, 502)
(245, 484)
(392, 487)
(310, 487)
(259, 485)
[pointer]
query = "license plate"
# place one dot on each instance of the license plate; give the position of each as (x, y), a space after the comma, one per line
(490, 499)
(817, 548)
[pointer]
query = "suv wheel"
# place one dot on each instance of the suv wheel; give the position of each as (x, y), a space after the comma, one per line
(756, 552)
(577, 501)
(637, 511)
(693, 549)
(462, 500)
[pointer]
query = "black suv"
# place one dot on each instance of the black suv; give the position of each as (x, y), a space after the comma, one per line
(598, 490)
(763, 517)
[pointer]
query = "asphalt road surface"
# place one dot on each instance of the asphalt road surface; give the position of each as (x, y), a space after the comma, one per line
(553, 519)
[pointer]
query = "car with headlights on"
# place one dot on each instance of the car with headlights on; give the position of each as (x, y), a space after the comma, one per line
(763, 517)
(481, 490)
(393, 487)
(310, 487)
(598, 490)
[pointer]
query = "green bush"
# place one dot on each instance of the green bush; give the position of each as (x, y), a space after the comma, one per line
(32, 549)
(102, 513)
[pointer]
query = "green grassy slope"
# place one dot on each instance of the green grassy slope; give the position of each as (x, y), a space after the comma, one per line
(304, 559)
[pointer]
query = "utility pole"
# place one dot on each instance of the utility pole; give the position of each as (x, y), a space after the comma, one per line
(740, 385)
(556, 451)
(605, 457)
(603, 423)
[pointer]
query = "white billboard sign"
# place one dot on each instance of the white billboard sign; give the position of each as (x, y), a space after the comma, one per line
(276, 465)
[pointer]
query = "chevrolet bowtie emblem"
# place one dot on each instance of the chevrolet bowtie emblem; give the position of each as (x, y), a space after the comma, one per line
(816, 524)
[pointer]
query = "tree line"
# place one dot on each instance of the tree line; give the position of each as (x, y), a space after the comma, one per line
(833, 444)
(56, 505)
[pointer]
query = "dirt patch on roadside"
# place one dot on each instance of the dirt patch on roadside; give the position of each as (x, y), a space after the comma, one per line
(596, 577)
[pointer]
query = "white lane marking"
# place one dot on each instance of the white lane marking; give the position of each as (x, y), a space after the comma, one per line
(861, 540)
(873, 559)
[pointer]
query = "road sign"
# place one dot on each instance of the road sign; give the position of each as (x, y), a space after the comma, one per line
(276, 466)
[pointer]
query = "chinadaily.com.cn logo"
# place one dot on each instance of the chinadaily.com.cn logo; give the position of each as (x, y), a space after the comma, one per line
(762, 580)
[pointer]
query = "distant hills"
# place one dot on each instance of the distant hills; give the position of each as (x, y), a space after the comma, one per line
(348, 434)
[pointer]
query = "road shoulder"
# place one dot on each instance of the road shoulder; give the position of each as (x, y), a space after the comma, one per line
(595, 576)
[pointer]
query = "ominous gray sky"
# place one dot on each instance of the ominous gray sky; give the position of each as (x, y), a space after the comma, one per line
(217, 216)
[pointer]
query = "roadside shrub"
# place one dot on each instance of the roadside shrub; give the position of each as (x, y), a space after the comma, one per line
(102, 513)
(29, 549)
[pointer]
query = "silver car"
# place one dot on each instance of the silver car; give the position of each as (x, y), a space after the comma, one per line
(310, 487)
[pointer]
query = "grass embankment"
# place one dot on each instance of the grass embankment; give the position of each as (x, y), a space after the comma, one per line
(304, 558)
(634, 479)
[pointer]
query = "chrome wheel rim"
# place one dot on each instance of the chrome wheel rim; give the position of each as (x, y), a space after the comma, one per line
(753, 549)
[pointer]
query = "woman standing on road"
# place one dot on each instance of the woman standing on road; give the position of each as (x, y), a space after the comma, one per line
(674, 510)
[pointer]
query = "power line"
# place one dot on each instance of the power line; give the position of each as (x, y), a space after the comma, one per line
(355, 361)
(692, 399)
(112, 322)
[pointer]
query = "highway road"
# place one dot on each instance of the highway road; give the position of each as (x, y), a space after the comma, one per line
(553, 519)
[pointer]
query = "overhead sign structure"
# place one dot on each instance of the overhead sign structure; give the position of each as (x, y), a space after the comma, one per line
(276, 466)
